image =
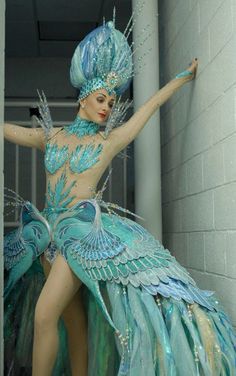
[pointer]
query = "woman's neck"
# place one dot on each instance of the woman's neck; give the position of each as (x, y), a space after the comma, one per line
(82, 127)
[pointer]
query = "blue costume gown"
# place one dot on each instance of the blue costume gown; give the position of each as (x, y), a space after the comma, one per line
(146, 316)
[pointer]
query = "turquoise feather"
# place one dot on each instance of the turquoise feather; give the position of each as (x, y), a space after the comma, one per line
(55, 157)
(84, 157)
(29, 242)
(58, 197)
(124, 254)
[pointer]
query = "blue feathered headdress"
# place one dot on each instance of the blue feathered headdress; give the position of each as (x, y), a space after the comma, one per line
(102, 60)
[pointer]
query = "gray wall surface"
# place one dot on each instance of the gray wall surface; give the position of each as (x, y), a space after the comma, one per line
(199, 142)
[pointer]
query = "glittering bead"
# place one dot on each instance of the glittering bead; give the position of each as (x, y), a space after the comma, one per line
(82, 127)
(158, 301)
(55, 157)
(217, 348)
(190, 312)
(196, 355)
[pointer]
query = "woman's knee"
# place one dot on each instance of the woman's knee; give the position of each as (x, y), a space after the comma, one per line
(58, 292)
(44, 317)
(74, 315)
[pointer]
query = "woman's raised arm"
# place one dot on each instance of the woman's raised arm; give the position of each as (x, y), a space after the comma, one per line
(125, 134)
(30, 137)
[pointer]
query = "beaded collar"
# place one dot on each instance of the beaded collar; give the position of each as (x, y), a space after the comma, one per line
(82, 127)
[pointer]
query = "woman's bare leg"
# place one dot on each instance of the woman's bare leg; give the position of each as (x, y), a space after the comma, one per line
(58, 291)
(76, 324)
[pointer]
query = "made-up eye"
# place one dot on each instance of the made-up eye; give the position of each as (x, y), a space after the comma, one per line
(100, 99)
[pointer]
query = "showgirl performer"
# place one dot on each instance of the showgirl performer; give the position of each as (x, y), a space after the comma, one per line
(140, 312)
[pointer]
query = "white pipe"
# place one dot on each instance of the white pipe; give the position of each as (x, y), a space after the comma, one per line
(2, 75)
(147, 145)
(30, 103)
(11, 224)
(29, 123)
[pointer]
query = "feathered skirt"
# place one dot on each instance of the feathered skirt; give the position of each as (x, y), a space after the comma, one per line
(146, 316)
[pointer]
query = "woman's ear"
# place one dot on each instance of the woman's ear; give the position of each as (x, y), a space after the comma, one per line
(82, 103)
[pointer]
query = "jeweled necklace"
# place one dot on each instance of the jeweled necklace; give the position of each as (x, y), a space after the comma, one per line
(82, 127)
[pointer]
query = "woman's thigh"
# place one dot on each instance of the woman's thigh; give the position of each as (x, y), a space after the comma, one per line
(46, 265)
(59, 289)
(74, 315)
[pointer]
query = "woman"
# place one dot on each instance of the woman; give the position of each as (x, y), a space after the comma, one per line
(151, 303)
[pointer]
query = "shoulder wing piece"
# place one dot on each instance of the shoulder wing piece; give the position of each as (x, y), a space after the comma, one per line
(117, 115)
(45, 120)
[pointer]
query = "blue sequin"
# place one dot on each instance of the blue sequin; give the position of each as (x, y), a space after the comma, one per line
(185, 73)
(82, 127)
(84, 157)
(59, 196)
(93, 85)
(55, 157)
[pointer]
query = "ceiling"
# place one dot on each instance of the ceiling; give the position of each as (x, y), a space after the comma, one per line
(44, 28)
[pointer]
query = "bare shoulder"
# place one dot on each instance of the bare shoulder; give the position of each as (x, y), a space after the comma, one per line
(119, 137)
(114, 141)
(54, 133)
(108, 139)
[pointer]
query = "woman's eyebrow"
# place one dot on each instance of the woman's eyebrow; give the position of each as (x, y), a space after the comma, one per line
(104, 95)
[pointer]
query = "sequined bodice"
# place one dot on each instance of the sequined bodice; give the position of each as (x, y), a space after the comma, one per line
(79, 160)
(55, 157)
(70, 158)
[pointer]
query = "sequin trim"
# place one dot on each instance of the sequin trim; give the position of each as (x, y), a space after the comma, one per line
(82, 127)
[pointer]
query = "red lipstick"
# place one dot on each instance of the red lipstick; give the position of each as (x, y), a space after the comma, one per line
(102, 115)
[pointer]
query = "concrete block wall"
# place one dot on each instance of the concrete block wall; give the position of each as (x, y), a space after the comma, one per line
(198, 133)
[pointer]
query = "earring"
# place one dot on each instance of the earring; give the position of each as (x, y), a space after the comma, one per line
(82, 105)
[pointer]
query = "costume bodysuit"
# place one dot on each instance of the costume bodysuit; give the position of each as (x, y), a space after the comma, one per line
(145, 311)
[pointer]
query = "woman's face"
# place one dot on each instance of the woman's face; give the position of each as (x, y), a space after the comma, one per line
(97, 106)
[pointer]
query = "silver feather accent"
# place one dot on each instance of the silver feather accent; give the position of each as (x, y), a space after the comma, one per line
(117, 115)
(12, 200)
(45, 120)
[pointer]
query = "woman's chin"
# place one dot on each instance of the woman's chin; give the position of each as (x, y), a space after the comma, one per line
(100, 121)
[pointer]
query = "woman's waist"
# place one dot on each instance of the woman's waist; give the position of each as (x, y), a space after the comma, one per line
(84, 209)
(63, 207)
(63, 196)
